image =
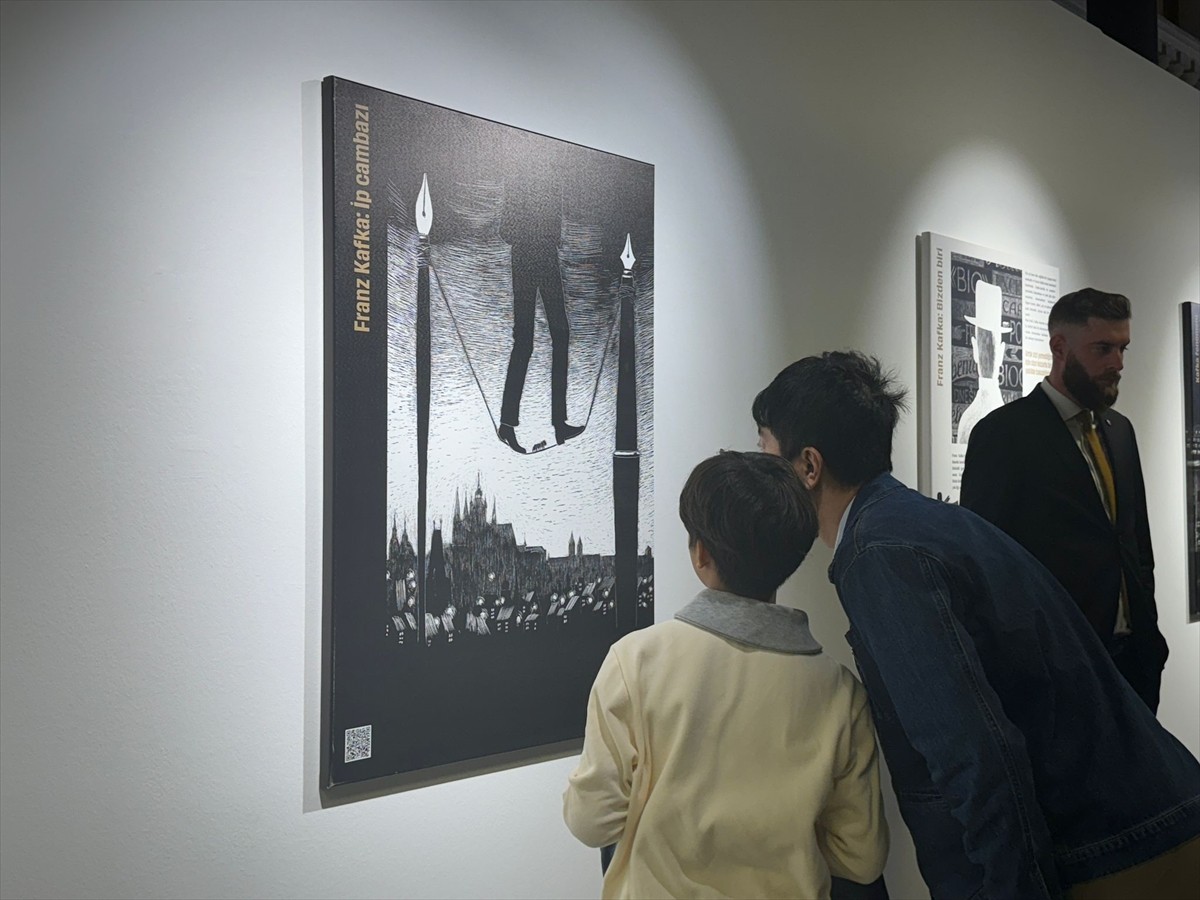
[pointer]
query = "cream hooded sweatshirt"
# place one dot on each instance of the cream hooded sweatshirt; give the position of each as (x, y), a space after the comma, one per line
(727, 756)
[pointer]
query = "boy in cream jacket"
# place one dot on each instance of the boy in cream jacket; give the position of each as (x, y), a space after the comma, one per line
(724, 753)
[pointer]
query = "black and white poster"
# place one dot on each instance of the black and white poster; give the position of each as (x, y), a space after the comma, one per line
(1191, 438)
(984, 343)
(489, 453)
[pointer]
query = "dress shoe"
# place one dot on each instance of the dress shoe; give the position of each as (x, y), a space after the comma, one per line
(509, 436)
(564, 432)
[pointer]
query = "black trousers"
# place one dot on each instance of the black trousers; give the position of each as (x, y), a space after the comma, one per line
(1129, 657)
(534, 269)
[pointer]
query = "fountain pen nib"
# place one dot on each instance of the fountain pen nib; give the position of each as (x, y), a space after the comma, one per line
(424, 208)
(627, 257)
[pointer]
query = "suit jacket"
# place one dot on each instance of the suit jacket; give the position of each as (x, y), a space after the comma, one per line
(1025, 474)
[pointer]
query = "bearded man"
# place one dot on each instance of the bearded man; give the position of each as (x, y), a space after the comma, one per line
(1059, 471)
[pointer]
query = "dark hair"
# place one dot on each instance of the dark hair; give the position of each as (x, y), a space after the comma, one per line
(1079, 306)
(754, 516)
(841, 403)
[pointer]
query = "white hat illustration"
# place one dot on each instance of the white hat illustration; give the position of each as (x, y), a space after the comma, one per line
(988, 302)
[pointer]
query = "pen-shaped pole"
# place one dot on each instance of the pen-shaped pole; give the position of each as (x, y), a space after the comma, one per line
(626, 459)
(424, 219)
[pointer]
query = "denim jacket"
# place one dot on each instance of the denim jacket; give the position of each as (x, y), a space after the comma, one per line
(1022, 761)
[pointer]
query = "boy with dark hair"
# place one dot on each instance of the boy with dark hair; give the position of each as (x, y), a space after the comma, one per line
(1023, 763)
(724, 753)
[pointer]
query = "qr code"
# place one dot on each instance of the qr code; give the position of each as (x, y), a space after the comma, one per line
(358, 743)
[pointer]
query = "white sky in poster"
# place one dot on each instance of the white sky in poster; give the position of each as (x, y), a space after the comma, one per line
(550, 496)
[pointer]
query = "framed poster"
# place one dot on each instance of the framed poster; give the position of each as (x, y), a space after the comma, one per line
(489, 430)
(1191, 450)
(984, 342)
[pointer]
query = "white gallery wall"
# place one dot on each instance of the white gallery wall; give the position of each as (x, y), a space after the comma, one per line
(160, 364)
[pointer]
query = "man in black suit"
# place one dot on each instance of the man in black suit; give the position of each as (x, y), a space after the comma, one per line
(1059, 471)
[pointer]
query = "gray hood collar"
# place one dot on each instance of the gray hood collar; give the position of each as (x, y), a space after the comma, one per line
(766, 626)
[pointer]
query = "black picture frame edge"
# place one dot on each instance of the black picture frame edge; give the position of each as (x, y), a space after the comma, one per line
(330, 80)
(327, 291)
(401, 782)
(1190, 337)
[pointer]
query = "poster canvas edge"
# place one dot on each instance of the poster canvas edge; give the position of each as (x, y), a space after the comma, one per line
(330, 733)
(935, 436)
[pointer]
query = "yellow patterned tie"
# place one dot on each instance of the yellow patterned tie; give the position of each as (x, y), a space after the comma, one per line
(1110, 490)
(1101, 459)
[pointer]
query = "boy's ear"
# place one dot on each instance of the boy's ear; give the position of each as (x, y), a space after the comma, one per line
(809, 465)
(700, 555)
